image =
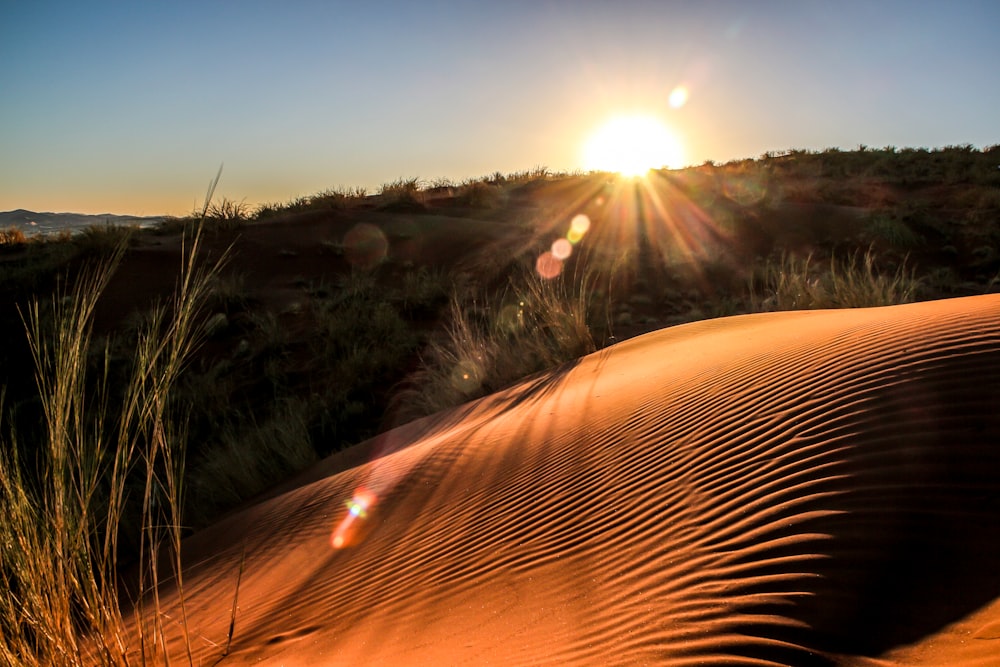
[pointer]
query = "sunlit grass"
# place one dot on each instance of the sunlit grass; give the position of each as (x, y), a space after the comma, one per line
(793, 283)
(12, 236)
(61, 507)
(492, 343)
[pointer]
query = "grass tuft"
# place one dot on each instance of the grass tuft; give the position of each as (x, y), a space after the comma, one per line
(63, 509)
(794, 283)
(536, 325)
(402, 193)
(12, 236)
(228, 214)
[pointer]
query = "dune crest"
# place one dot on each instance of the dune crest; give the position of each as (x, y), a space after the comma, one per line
(800, 488)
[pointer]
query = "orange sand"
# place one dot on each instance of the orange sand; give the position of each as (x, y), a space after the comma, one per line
(796, 488)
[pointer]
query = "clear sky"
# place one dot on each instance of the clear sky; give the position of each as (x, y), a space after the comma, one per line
(130, 107)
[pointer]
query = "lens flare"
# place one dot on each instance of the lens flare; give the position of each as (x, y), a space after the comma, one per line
(512, 317)
(631, 146)
(548, 265)
(365, 246)
(562, 249)
(358, 508)
(467, 375)
(745, 190)
(679, 97)
(577, 228)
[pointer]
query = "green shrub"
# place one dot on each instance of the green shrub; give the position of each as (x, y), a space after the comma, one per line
(423, 291)
(228, 293)
(104, 239)
(250, 459)
(892, 231)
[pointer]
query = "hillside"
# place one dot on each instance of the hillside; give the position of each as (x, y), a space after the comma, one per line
(336, 318)
(308, 320)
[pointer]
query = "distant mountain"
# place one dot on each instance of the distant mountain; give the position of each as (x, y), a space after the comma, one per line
(31, 222)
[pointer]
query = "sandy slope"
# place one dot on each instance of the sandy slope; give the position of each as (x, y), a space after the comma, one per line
(793, 488)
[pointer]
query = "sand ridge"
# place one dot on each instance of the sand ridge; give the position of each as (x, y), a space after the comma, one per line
(788, 488)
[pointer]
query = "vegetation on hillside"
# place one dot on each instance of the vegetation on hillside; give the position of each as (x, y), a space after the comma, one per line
(128, 422)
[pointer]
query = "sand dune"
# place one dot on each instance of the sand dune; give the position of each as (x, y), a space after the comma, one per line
(793, 488)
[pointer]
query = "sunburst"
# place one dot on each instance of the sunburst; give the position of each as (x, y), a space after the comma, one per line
(631, 145)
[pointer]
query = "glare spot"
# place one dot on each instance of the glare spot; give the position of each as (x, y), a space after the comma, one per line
(548, 265)
(679, 97)
(744, 190)
(365, 246)
(580, 224)
(357, 510)
(562, 249)
(512, 317)
(631, 146)
(467, 376)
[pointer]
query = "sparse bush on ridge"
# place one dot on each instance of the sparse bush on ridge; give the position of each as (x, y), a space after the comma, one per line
(336, 199)
(228, 214)
(538, 173)
(487, 191)
(401, 192)
(225, 215)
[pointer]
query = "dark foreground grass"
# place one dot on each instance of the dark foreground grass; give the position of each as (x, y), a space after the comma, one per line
(98, 466)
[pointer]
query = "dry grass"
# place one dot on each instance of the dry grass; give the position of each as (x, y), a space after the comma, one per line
(536, 325)
(401, 192)
(12, 236)
(794, 283)
(228, 214)
(64, 499)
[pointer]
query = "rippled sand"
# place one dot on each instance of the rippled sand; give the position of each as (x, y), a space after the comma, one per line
(788, 488)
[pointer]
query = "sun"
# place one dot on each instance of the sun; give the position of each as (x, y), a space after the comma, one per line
(632, 145)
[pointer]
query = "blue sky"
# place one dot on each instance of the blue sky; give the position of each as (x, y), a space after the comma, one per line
(130, 107)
